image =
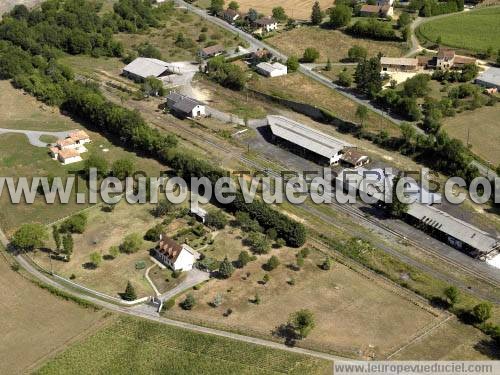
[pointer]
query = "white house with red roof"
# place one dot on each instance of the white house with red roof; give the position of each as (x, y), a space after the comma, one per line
(177, 257)
(67, 150)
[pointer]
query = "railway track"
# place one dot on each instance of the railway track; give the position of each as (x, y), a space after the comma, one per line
(360, 218)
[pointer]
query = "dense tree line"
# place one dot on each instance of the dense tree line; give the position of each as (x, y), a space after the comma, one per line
(429, 8)
(373, 29)
(24, 60)
(72, 26)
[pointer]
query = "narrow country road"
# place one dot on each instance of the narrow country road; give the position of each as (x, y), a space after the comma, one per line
(149, 312)
(34, 135)
(305, 69)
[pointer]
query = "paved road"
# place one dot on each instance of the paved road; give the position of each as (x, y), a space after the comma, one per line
(256, 44)
(149, 312)
(34, 136)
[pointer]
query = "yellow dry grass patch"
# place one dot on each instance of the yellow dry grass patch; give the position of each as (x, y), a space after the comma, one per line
(103, 231)
(296, 9)
(354, 316)
(332, 44)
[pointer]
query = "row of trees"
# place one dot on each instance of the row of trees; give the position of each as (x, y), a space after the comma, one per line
(429, 8)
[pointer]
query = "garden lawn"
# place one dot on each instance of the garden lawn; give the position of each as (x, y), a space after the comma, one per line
(475, 30)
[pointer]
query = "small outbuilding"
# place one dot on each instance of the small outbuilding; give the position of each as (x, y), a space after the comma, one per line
(398, 64)
(272, 69)
(184, 106)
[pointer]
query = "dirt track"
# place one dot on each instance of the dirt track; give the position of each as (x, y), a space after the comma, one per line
(6, 5)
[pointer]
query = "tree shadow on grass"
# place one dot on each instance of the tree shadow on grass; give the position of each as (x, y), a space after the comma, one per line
(286, 331)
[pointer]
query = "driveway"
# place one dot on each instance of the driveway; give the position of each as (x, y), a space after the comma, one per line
(193, 277)
(34, 136)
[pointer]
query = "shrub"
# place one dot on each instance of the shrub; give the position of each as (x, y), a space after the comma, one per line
(216, 219)
(129, 294)
(75, 224)
(189, 302)
(168, 304)
(272, 263)
(153, 234)
(292, 64)
(310, 55)
(131, 243)
(226, 269)
(482, 312)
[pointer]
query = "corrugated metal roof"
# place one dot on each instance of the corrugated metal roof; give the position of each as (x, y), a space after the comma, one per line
(269, 68)
(146, 67)
(183, 103)
(491, 76)
(465, 232)
(306, 137)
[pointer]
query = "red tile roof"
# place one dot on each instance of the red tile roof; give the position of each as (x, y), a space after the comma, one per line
(169, 248)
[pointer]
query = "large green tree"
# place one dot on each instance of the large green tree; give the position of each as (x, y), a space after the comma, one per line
(302, 322)
(340, 16)
(316, 14)
(30, 236)
(367, 77)
(226, 269)
(129, 294)
(216, 6)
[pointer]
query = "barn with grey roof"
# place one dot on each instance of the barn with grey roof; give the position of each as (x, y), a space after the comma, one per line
(324, 146)
(144, 67)
(184, 106)
(490, 78)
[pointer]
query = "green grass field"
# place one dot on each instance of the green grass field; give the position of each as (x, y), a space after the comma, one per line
(474, 31)
(132, 346)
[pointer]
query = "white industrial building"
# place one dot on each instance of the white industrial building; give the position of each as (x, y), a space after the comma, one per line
(459, 234)
(272, 70)
(144, 67)
(305, 137)
(489, 78)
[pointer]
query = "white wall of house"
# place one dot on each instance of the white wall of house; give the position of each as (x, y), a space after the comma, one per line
(198, 111)
(184, 261)
(74, 159)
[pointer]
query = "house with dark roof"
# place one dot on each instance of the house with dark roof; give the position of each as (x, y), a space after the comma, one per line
(184, 106)
(353, 158)
(380, 11)
(266, 24)
(177, 257)
(230, 15)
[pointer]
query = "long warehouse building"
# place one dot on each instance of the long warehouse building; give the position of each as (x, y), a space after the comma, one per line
(422, 214)
(328, 148)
